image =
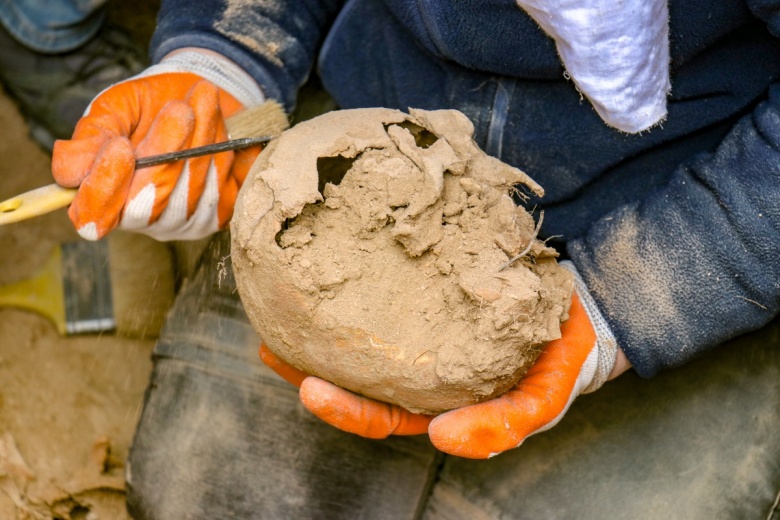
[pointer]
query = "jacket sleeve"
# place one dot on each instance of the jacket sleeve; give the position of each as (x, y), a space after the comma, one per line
(275, 41)
(697, 262)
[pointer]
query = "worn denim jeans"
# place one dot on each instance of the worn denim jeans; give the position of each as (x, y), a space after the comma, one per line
(52, 26)
(221, 436)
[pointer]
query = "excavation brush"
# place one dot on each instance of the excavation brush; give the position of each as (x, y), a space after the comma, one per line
(125, 281)
(251, 127)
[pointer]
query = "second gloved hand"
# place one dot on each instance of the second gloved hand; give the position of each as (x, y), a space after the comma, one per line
(178, 104)
(345, 410)
(579, 362)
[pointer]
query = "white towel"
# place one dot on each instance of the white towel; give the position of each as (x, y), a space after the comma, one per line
(615, 51)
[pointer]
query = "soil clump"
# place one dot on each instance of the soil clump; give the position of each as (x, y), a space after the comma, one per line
(383, 251)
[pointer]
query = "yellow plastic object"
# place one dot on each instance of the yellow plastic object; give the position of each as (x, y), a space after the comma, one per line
(43, 293)
(34, 203)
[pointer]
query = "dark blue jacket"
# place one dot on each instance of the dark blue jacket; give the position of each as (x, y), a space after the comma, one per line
(676, 231)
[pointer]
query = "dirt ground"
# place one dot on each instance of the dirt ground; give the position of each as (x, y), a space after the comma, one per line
(68, 406)
(63, 401)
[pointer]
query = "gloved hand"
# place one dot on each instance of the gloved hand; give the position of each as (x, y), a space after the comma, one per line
(579, 362)
(345, 410)
(180, 103)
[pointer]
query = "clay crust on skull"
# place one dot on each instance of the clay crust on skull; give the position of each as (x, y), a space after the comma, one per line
(390, 279)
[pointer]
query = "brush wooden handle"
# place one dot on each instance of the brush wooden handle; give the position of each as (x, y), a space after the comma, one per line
(35, 203)
(266, 119)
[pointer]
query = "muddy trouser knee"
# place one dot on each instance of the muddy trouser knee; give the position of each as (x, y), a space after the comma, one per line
(221, 436)
(701, 442)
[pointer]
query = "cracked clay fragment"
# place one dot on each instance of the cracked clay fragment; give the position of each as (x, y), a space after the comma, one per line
(368, 247)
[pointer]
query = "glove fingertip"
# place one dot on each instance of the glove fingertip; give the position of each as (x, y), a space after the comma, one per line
(461, 433)
(72, 159)
(98, 204)
(343, 409)
(443, 438)
(286, 371)
(89, 229)
(318, 395)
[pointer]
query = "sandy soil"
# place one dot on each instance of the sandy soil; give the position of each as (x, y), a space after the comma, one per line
(68, 406)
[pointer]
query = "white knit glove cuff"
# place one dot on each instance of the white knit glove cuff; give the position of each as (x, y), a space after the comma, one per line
(218, 70)
(606, 344)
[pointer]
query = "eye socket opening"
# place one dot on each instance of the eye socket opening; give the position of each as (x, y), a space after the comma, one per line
(423, 137)
(332, 170)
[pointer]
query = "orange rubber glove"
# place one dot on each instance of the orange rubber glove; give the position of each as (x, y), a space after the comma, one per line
(566, 368)
(180, 103)
(579, 362)
(345, 410)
